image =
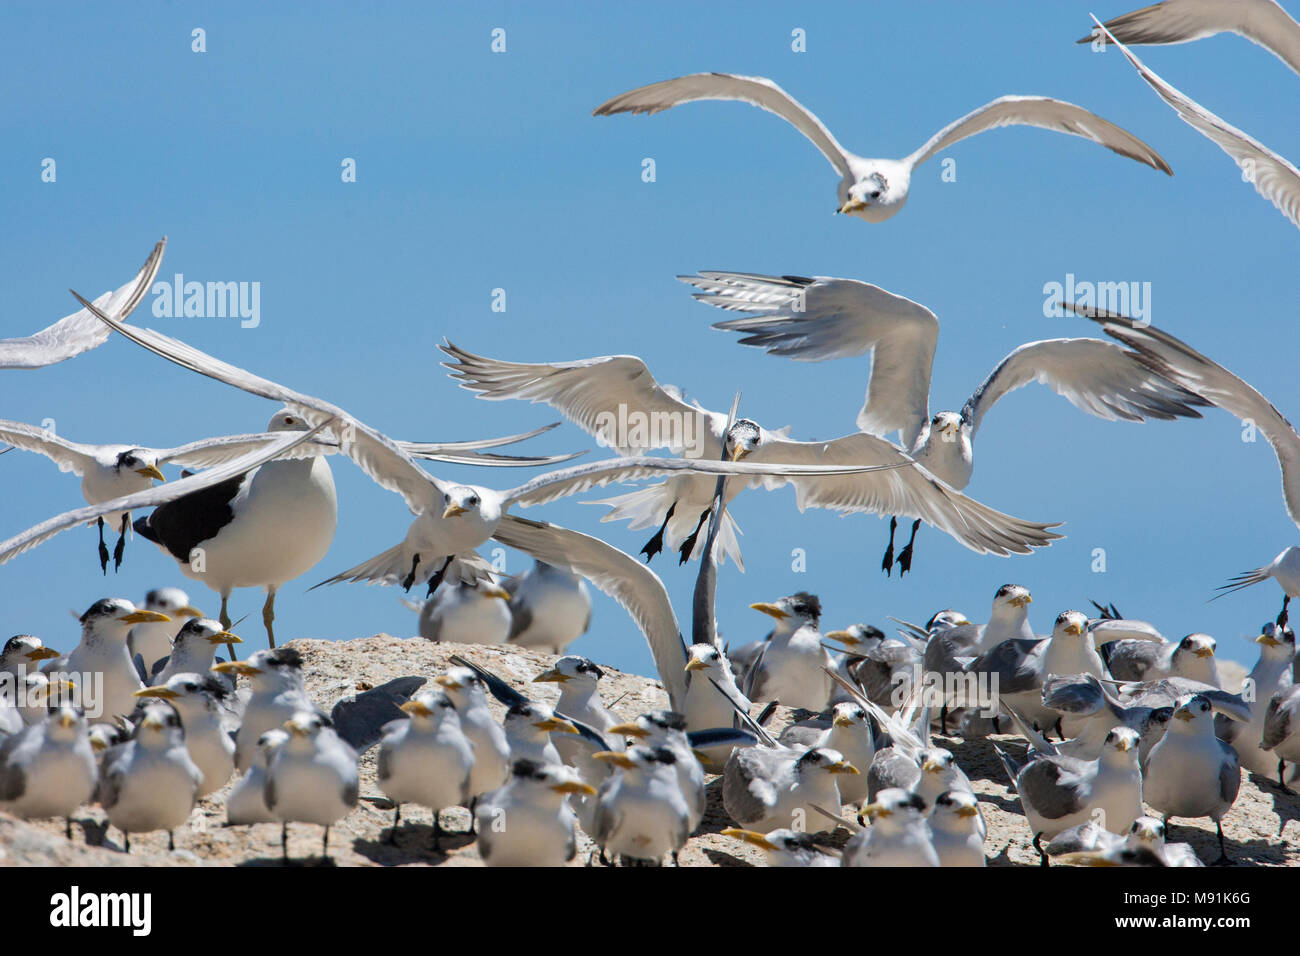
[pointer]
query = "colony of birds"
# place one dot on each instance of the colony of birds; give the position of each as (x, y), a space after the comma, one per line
(143, 718)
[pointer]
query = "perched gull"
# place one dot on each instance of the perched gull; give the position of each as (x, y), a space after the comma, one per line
(102, 651)
(80, 331)
(579, 681)
(787, 848)
(1212, 381)
(550, 608)
(204, 706)
(195, 650)
(541, 828)
(246, 802)
(765, 789)
(1270, 675)
(1282, 728)
(955, 829)
(596, 393)
(876, 189)
(1088, 706)
(814, 320)
(491, 751)
(667, 729)
(712, 698)
(466, 612)
(1273, 177)
(150, 783)
(791, 667)
(312, 778)
(1143, 846)
(641, 812)
(24, 652)
(899, 834)
(278, 693)
(426, 759)
(152, 640)
(1191, 772)
(1192, 657)
(48, 769)
(1262, 22)
(451, 519)
(849, 734)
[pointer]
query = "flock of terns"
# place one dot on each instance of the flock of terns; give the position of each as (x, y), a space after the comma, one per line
(145, 719)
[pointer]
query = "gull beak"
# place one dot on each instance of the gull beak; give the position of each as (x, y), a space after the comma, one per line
(702, 757)
(750, 836)
(874, 810)
(189, 610)
(162, 692)
(67, 719)
(224, 637)
(415, 707)
(630, 729)
(615, 757)
(241, 668)
(1124, 745)
(844, 637)
(152, 723)
(841, 721)
(1205, 652)
(968, 812)
(97, 745)
(452, 511)
(552, 676)
(738, 452)
(295, 728)
(695, 664)
(444, 680)
(1182, 713)
(42, 654)
(493, 591)
(772, 610)
(852, 205)
(1021, 601)
(557, 725)
(151, 471)
(842, 767)
(1267, 639)
(575, 787)
(932, 766)
(144, 617)
(1074, 629)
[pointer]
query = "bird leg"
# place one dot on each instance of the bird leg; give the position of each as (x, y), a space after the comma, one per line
(656, 543)
(67, 827)
(473, 821)
(905, 556)
(171, 840)
(1281, 778)
(943, 720)
(103, 548)
(224, 617)
(284, 841)
(1060, 731)
(437, 831)
(126, 839)
(410, 577)
(268, 618)
(1282, 617)
(887, 562)
(1042, 856)
(689, 544)
(120, 546)
(397, 818)
(325, 844)
(1224, 859)
(436, 578)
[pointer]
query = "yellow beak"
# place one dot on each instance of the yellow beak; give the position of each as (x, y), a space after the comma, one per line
(42, 654)
(162, 692)
(738, 452)
(144, 617)
(1205, 652)
(842, 767)
(242, 668)
(1183, 713)
(749, 836)
(630, 729)
(1268, 639)
(551, 676)
(452, 510)
(771, 610)
(844, 637)
(696, 664)
(224, 637)
(968, 811)
(841, 721)
(492, 591)
(1021, 601)
(151, 471)
(615, 757)
(852, 205)
(66, 719)
(575, 786)
(416, 707)
(557, 725)
(873, 810)
(1074, 629)
(444, 680)
(189, 610)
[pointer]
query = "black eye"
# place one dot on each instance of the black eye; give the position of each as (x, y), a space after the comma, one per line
(875, 194)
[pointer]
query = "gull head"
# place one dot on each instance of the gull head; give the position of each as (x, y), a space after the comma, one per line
(847, 714)
(1201, 645)
(894, 809)
(955, 811)
(1148, 831)
(460, 500)
(878, 192)
(858, 637)
(945, 619)
(743, 438)
(1011, 596)
(161, 724)
(66, 723)
(1193, 714)
(142, 461)
(796, 610)
(572, 669)
(704, 657)
(430, 706)
(824, 760)
(946, 427)
(286, 421)
(1122, 742)
(25, 650)
(117, 616)
(200, 630)
(655, 728)
(554, 777)
(1276, 643)
(173, 602)
(1070, 624)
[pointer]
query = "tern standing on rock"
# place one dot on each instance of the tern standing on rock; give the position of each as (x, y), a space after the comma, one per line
(312, 778)
(641, 813)
(278, 694)
(203, 705)
(491, 750)
(426, 760)
(899, 834)
(48, 769)
(791, 666)
(528, 821)
(103, 651)
(246, 802)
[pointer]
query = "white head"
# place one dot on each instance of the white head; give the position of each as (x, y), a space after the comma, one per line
(1070, 624)
(173, 602)
(1121, 746)
(1011, 600)
(160, 728)
(894, 809)
(1193, 715)
(1276, 643)
(858, 638)
(114, 618)
(531, 721)
(141, 461)
(430, 708)
(24, 652)
(879, 191)
(793, 611)
(742, 439)
(571, 673)
(268, 669)
(204, 633)
(655, 729)
(286, 421)
(463, 687)
(460, 500)
(955, 811)
(555, 778)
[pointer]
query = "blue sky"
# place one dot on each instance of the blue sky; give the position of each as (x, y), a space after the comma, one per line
(478, 171)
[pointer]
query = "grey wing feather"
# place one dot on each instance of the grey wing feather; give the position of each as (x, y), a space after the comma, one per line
(1131, 660)
(1229, 773)
(1056, 786)
(1277, 721)
(747, 790)
(1073, 695)
(891, 768)
(521, 617)
(351, 792)
(12, 779)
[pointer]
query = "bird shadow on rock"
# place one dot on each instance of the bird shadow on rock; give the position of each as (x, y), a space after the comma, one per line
(1206, 844)
(719, 858)
(1285, 805)
(293, 861)
(414, 844)
(95, 833)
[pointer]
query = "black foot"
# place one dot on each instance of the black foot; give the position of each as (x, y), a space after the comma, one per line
(392, 831)
(905, 556)
(1223, 859)
(887, 562)
(410, 577)
(604, 860)
(1281, 779)
(1282, 616)
(120, 547)
(171, 840)
(1060, 732)
(656, 543)
(437, 577)
(943, 720)
(1038, 846)
(688, 546)
(103, 549)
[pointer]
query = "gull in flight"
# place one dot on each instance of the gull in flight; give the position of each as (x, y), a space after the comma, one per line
(81, 331)
(876, 189)
(602, 395)
(1262, 22)
(1222, 388)
(823, 318)
(1273, 177)
(451, 519)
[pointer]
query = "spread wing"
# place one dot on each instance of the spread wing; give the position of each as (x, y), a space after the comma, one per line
(81, 331)
(603, 396)
(812, 320)
(68, 455)
(1098, 377)
(1263, 22)
(1045, 113)
(376, 453)
(754, 90)
(909, 490)
(1273, 177)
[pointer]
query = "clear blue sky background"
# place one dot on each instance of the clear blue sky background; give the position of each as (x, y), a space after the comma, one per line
(479, 170)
